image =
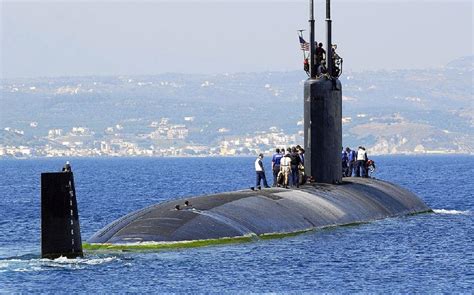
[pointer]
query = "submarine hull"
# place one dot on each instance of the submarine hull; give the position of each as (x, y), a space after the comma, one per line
(269, 211)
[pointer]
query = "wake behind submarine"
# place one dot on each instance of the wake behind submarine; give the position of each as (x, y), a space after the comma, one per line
(327, 200)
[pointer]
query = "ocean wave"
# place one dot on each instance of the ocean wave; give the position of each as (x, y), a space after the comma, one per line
(39, 264)
(452, 212)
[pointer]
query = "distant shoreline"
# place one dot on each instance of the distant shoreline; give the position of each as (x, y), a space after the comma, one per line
(219, 156)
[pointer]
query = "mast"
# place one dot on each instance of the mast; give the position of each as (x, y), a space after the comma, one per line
(312, 67)
(329, 38)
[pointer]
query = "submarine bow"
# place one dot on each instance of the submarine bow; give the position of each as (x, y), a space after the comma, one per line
(259, 213)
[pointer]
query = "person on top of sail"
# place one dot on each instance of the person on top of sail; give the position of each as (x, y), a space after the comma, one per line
(320, 55)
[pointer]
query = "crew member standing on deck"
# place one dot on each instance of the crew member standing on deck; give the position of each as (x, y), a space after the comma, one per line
(295, 162)
(360, 163)
(351, 155)
(345, 160)
(276, 165)
(260, 171)
(300, 153)
(285, 167)
(301, 174)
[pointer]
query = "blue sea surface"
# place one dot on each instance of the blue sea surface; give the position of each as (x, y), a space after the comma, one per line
(424, 253)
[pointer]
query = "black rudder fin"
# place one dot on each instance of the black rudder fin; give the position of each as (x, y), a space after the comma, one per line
(60, 230)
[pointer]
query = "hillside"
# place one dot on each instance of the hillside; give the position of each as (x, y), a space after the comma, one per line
(403, 111)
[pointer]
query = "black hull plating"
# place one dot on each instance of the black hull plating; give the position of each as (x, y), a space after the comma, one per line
(243, 213)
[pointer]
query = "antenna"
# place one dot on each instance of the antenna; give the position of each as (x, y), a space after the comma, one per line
(312, 69)
(329, 37)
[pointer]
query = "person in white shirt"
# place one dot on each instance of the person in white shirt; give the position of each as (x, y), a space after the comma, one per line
(285, 168)
(361, 169)
(260, 171)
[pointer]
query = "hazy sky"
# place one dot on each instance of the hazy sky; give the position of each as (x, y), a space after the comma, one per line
(58, 38)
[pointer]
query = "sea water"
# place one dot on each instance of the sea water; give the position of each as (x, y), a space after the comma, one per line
(423, 253)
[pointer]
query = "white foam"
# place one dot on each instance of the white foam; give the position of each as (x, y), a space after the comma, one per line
(78, 261)
(99, 260)
(28, 265)
(452, 212)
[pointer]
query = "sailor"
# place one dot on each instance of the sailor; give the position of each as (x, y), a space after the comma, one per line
(306, 65)
(260, 172)
(344, 160)
(301, 174)
(360, 163)
(300, 153)
(276, 165)
(320, 56)
(335, 58)
(370, 166)
(285, 168)
(295, 162)
(321, 69)
(351, 155)
(67, 167)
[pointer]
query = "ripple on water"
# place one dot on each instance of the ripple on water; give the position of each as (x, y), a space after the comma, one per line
(398, 255)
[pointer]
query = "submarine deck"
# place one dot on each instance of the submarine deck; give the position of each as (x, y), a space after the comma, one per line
(269, 211)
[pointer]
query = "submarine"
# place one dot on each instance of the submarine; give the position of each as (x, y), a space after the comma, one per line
(326, 200)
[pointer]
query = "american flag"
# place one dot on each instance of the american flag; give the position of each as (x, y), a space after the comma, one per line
(304, 45)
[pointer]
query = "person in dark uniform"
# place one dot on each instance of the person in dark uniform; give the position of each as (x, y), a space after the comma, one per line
(301, 174)
(345, 160)
(301, 153)
(351, 154)
(320, 56)
(295, 162)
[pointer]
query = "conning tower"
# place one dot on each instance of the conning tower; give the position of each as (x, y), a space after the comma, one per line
(322, 111)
